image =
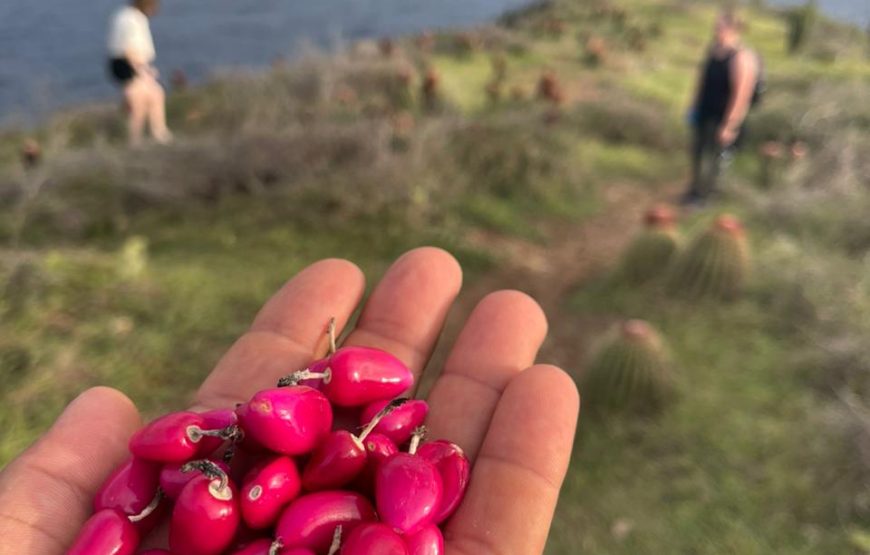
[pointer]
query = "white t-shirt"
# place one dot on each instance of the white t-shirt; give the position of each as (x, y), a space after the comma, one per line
(130, 31)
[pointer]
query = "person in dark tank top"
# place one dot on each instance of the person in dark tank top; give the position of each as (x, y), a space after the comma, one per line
(726, 85)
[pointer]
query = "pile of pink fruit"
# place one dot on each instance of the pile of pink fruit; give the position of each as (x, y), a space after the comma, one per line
(272, 476)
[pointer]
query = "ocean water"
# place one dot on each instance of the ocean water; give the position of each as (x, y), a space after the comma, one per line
(856, 12)
(52, 52)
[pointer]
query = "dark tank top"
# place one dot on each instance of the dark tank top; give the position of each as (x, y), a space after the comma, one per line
(715, 91)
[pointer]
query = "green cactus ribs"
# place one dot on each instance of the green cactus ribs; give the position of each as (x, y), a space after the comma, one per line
(716, 264)
(652, 251)
(630, 373)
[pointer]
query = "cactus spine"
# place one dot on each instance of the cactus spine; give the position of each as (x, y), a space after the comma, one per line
(630, 373)
(652, 251)
(716, 264)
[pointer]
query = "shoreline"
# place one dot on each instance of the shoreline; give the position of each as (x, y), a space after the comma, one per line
(30, 120)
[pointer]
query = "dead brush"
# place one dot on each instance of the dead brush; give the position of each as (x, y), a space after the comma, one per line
(550, 88)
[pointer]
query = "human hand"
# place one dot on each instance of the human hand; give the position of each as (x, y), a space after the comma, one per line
(727, 135)
(515, 420)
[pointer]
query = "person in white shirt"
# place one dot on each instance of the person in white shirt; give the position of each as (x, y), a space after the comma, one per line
(131, 59)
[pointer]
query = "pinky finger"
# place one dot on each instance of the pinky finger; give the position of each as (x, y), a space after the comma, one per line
(517, 476)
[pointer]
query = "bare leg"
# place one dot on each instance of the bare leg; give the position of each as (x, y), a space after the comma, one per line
(157, 112)
(136, 97)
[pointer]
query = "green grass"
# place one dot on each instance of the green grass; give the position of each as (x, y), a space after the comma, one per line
(726, 469)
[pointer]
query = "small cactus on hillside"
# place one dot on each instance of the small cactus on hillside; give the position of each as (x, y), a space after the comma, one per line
(402, 126)
(31, 153)
(467, 43)
(716, 264)
(554, 27)
(595, 51)
(499, 66)
(494, 91)
(387, 47)
(518, 94)
(425, 42)
(346, 96)
(771, 154)
(550, 88)
(402, 88)
(653, 250)
(630, 372)
(430, 89)
(179, 80)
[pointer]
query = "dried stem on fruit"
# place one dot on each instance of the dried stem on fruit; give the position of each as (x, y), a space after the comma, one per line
(390, 407)
(210, 470)
(418, 436)
(146, 512)
(336, 541)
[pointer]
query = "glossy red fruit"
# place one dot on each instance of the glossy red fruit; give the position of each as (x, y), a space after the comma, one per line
(428, 541)
(155, 552)
(107, 532)
(130, 488)
(310, 520)
(335, 462)
(373, 538)
(288, 420)
(263, 547)
(454, 468)
(267, 489)
(215, 420)
(173, 480)
(378, 449)
(342, 455)
(170, 438)
(206, 516)
(408, 492)
(362, 375)
(400, 423)
(256, 547)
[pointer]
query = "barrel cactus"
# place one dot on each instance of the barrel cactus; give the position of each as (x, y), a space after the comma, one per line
(430, 89)
(716, 264)
(652, 251)
(630, 373)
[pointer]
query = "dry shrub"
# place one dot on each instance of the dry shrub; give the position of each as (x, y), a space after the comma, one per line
(306, 92)
(91, 192)
(513, 156)
(621, 119)
(837, 363)
(847, 481)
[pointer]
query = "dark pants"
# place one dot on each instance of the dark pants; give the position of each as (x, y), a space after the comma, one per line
(707, 156)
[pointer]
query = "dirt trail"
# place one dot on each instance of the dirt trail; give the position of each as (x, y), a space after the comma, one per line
(550, 269)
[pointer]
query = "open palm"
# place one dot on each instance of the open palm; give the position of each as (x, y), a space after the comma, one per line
(515, 421)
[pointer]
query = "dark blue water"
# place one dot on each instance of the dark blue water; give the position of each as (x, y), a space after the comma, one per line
(856, 12)
(52, 52)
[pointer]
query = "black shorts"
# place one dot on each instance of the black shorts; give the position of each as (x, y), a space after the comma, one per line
(121, 70)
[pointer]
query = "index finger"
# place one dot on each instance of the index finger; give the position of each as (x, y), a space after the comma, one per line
(287, 334)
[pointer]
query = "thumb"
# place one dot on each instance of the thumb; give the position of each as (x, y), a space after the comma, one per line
(46, 493)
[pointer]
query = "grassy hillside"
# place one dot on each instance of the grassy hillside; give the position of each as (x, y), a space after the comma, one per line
(137, 268)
